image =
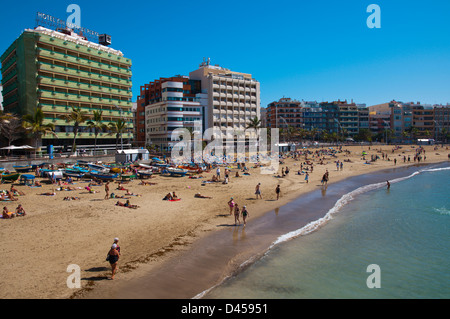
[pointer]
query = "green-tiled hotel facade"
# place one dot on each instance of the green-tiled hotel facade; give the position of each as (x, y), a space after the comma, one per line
(55, 72)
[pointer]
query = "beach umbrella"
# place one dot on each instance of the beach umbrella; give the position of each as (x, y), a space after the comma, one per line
(13, 147)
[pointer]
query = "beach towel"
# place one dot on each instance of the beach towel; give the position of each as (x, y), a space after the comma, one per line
(174, 200)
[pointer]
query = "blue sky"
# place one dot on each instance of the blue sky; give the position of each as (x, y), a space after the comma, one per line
(311, 50)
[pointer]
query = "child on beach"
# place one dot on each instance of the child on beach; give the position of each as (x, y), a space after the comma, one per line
(277, 191)
(107, 190)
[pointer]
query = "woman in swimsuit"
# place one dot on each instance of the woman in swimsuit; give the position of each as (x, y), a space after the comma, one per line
(231, 204)
(113, 255)
(244, 214)
(237, 211)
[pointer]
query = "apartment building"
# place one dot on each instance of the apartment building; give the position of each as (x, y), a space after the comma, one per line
(58, 70)
(230, 99)
(337, 116)
(423, 120)
(1, 98)
(348, 117)
(168, 104)
(400, 117)
(363, 117)
(441, 119)
(283, 113)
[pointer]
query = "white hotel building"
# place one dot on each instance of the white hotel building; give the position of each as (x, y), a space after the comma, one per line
(232, 98)
(174, 110)
(212, 95)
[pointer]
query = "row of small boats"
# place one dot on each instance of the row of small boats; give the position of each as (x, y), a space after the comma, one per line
(109, 171)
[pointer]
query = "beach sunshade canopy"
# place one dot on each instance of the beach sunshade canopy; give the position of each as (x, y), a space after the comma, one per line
(13, 147)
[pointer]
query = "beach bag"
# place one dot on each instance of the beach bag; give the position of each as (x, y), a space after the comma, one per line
(107, 257)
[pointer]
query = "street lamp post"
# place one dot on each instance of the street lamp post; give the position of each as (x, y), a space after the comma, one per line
(342, 131)
(287, 126)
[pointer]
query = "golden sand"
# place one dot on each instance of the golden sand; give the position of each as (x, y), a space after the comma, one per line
(37, 249)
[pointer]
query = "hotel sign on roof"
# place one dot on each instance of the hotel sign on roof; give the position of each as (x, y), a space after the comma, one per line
(48, 21)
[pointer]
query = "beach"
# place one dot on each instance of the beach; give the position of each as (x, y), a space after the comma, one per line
(38, 248)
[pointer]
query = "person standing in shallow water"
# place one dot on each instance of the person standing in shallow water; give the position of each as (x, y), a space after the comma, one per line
(245, 214)
(237, 212)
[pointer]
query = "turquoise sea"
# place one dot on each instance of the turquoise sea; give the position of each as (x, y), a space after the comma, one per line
(404, 231)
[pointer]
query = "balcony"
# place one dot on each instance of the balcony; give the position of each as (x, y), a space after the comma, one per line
(42, 66)
(84, 86)
(82, 98)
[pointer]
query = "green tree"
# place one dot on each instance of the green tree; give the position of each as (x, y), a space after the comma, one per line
(364, 134)
(405, 135)
(254, 123)
(96, 124)
(78, 117)
(118, 127)
(34, 125)
(10, 127)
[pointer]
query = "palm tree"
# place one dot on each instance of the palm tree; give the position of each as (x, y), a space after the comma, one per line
(77, 116)
(34, 124)
(313, 132)
(445, 134)
(96, 124)
(301, 133)
(405, 135)
(117, 127)
(255, 124)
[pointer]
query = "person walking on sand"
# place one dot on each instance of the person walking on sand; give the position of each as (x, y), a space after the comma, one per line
(218, 173)
(245, 214)
(278, 191)
(306, 177)
(116, 241)
(231, 205)
(237, 212)
(107, 190)
(113, 258)
(258, 191)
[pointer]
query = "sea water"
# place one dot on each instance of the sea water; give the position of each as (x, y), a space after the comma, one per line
(376, 243)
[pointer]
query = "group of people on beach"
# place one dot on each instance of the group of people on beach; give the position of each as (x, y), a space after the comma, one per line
(20, 212)
(235, 209)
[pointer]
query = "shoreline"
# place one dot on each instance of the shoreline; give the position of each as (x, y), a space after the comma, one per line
(57, 233)
(224, 251)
